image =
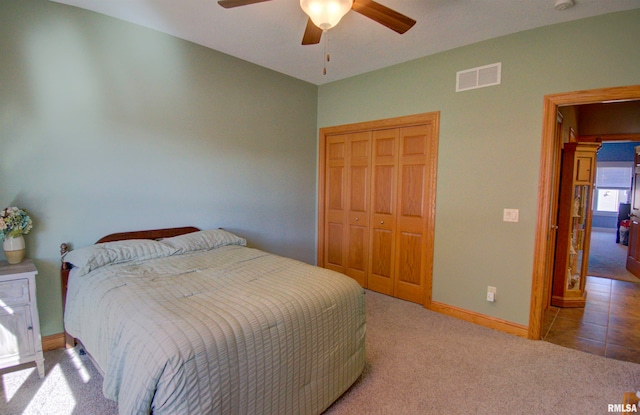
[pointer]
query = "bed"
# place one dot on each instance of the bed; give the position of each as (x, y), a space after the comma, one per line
(184, 321)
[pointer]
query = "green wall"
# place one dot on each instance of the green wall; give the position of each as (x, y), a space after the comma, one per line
(490, 142)
(106, 126)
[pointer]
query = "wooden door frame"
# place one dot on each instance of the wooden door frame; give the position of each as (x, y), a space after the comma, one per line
(553, 210)
(397, 122)
(547, 191)
(631, 263)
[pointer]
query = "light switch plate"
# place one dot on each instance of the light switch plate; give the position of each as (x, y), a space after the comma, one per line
(510, 215)
(491, 293)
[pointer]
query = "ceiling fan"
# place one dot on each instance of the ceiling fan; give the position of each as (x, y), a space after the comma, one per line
(325, 14)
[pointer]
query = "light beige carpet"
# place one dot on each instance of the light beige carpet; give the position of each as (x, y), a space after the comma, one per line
(607, 258)
(418, 362)
(421, 362)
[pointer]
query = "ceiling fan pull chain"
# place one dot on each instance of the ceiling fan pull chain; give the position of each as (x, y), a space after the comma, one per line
(325, 56)
(326, 47)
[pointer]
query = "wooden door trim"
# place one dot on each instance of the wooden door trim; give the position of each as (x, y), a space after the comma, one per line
(546, 189)
(397, 122)
(553, 210)
(632, 263)
(609, 137)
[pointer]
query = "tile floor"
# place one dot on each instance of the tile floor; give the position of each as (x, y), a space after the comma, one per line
(609, 325)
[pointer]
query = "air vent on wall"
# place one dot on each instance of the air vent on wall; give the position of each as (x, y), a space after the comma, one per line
(479, 77)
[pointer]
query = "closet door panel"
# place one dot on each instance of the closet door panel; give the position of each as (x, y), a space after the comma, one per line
(335, 247)
(335, 188)
(383, 211)
(358, 233)
(383, 197)
(335, 191)
(381, 269)
(410, 264)
(357, 254)
(409, 281)
(358, 183)
(411, 219)
(358, 189)
(412, 193)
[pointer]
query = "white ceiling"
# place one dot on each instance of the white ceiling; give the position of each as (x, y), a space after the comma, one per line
(269, 34)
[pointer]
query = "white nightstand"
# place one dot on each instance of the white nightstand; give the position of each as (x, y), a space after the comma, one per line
(20, 340)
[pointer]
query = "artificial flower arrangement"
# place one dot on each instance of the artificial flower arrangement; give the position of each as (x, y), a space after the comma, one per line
(14, 222)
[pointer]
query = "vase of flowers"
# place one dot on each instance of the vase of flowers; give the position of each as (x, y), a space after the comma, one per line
(14, 223)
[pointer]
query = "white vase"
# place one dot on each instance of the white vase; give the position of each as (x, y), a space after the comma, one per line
(14, 249)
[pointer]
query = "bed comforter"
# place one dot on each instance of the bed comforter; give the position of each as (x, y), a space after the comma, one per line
(228, 330)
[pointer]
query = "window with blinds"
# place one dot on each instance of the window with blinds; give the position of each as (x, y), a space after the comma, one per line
(613, 185)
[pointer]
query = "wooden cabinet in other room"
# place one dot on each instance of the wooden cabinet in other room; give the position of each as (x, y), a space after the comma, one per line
(574, 224)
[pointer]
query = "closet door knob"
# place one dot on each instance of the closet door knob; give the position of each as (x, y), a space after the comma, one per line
(381, 222)
(356, 219)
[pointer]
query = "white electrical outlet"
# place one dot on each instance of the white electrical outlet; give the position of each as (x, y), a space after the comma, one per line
(510, 215)
(491, 294)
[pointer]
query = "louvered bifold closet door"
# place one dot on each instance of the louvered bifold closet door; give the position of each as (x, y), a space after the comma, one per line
(347, 204)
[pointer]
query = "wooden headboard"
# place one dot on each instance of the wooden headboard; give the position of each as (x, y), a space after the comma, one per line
(149, 234)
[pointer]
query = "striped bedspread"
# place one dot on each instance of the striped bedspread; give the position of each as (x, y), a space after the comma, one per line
(231, 330)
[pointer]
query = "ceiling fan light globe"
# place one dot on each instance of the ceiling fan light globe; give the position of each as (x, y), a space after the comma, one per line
(326, 13)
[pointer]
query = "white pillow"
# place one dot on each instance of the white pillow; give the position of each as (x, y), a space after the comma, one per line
(203, 240)
(95, 256)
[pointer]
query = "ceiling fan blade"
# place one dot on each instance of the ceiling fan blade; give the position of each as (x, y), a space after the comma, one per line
(227, 4)
(383, 15)
(312, 34)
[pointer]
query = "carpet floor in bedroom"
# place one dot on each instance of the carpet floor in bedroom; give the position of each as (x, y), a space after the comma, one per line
(417, 362)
